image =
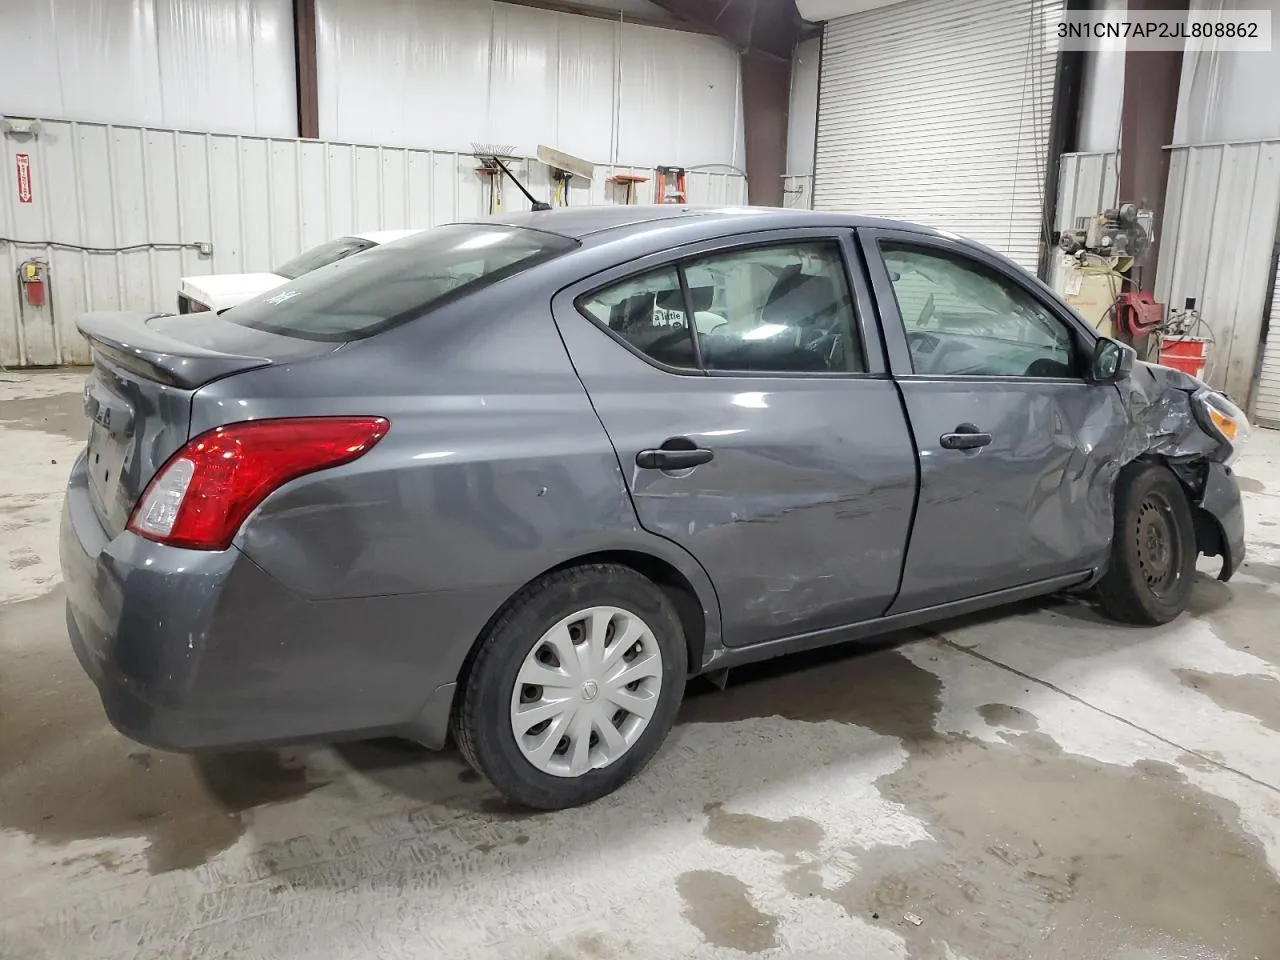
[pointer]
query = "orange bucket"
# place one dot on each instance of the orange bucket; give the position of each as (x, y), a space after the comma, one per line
(1188, 354)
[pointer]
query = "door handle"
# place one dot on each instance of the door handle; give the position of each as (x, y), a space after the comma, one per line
(678, 453)
(966, 437)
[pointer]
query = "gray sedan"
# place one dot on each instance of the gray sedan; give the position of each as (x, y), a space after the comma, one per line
(517, 480)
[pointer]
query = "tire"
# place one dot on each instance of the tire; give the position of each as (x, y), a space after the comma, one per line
(485, 715)
(1153, 551)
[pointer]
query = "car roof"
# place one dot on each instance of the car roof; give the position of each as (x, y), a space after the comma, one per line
(385, 236)
(581, 222)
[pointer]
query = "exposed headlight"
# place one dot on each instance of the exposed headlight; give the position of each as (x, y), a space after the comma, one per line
(1222, 419)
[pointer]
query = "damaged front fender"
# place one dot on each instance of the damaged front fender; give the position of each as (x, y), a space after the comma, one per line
(1163, 425)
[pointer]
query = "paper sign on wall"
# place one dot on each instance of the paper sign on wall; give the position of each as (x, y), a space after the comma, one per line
(25, 194)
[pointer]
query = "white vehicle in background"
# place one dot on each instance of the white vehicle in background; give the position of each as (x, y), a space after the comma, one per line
(220, 291)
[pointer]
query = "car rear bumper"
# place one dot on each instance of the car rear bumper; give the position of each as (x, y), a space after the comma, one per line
(197, 649)
(1221, 500)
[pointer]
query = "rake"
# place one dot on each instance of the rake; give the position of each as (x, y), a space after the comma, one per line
(491, 157)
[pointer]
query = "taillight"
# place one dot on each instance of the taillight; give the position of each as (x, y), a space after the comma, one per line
(204, 492)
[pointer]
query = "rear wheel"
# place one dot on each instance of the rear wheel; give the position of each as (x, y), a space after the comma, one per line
(1153, 552)
(574, 687)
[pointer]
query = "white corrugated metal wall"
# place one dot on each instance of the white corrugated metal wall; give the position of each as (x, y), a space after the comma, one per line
(446, 73)
(938, 111)
(1220, 217)
(1222, 94)
(431, 75)
(220, 65)
(258, 202)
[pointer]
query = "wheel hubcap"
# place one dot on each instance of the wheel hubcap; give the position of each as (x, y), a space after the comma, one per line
(586, 691)
(1159, 551)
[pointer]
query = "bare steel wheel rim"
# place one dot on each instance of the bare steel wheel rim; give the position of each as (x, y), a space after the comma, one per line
(586, 691)
(1159, 548)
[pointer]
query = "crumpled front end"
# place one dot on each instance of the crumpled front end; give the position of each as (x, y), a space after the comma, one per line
(1172, 417)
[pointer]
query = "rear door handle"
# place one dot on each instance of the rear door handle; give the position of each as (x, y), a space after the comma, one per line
(966, 437)
(675, 454)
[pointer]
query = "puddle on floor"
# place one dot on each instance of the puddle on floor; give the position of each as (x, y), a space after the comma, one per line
(720, 907)
(788, 837)
(62, 413)
(1003, 715)
(1240, 613)
(881, 690)
(1257, 695)
(1038, 854)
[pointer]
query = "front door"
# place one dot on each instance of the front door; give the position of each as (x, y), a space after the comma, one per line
(1017, 450)
(744, 391)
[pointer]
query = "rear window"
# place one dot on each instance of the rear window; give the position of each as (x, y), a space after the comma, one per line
(322, 256)
(393, 283)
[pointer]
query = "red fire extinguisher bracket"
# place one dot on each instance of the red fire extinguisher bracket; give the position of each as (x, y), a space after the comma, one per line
(32, 275)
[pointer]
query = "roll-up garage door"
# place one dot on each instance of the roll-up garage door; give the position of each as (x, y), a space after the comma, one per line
(1266, 405)
(938, 111)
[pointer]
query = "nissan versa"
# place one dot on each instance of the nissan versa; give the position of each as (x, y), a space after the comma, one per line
(519, 479)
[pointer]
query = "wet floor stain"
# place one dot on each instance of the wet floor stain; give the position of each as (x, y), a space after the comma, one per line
(1029, 863)
(62, 413)
(1267, 572)
(1037, 854)
(882, 690)
(1257, 695)
(65, 775)
(720, 907)
(1003, 715)
(1240, 613)
(789, 837)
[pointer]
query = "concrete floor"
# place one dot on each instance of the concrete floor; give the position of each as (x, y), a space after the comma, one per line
(1027, 785)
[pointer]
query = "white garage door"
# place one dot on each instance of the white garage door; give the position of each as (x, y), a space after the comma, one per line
(938, 111)
(1266, 408)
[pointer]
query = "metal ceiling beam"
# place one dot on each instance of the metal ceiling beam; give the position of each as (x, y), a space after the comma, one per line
(766, 26)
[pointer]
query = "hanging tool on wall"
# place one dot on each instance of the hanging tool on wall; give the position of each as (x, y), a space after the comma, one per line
(494, 162)
(628, 182)
(670, 187)
(564, 168)
(491, 166)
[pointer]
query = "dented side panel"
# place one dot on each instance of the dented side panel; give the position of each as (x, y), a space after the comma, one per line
(1035, 503)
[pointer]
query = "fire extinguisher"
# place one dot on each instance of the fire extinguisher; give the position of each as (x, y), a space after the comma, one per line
(33, 275)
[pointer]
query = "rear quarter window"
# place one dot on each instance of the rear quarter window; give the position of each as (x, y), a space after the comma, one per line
(389, 284)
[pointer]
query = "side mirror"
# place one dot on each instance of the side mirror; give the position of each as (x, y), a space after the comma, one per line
(1112, 361)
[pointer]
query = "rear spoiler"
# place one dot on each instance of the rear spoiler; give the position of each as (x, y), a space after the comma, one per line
(136, 342)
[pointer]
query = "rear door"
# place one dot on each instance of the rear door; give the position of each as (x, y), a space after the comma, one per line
(1017, 451)
(772, 445)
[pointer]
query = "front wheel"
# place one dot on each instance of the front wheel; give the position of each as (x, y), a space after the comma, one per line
(574, 687)
(1153, 551)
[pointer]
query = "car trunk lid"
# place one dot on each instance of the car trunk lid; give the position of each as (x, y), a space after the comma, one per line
(146, 370)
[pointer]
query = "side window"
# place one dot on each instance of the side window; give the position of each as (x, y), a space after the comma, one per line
(648, 312)
(778, 309)
(964, 319)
